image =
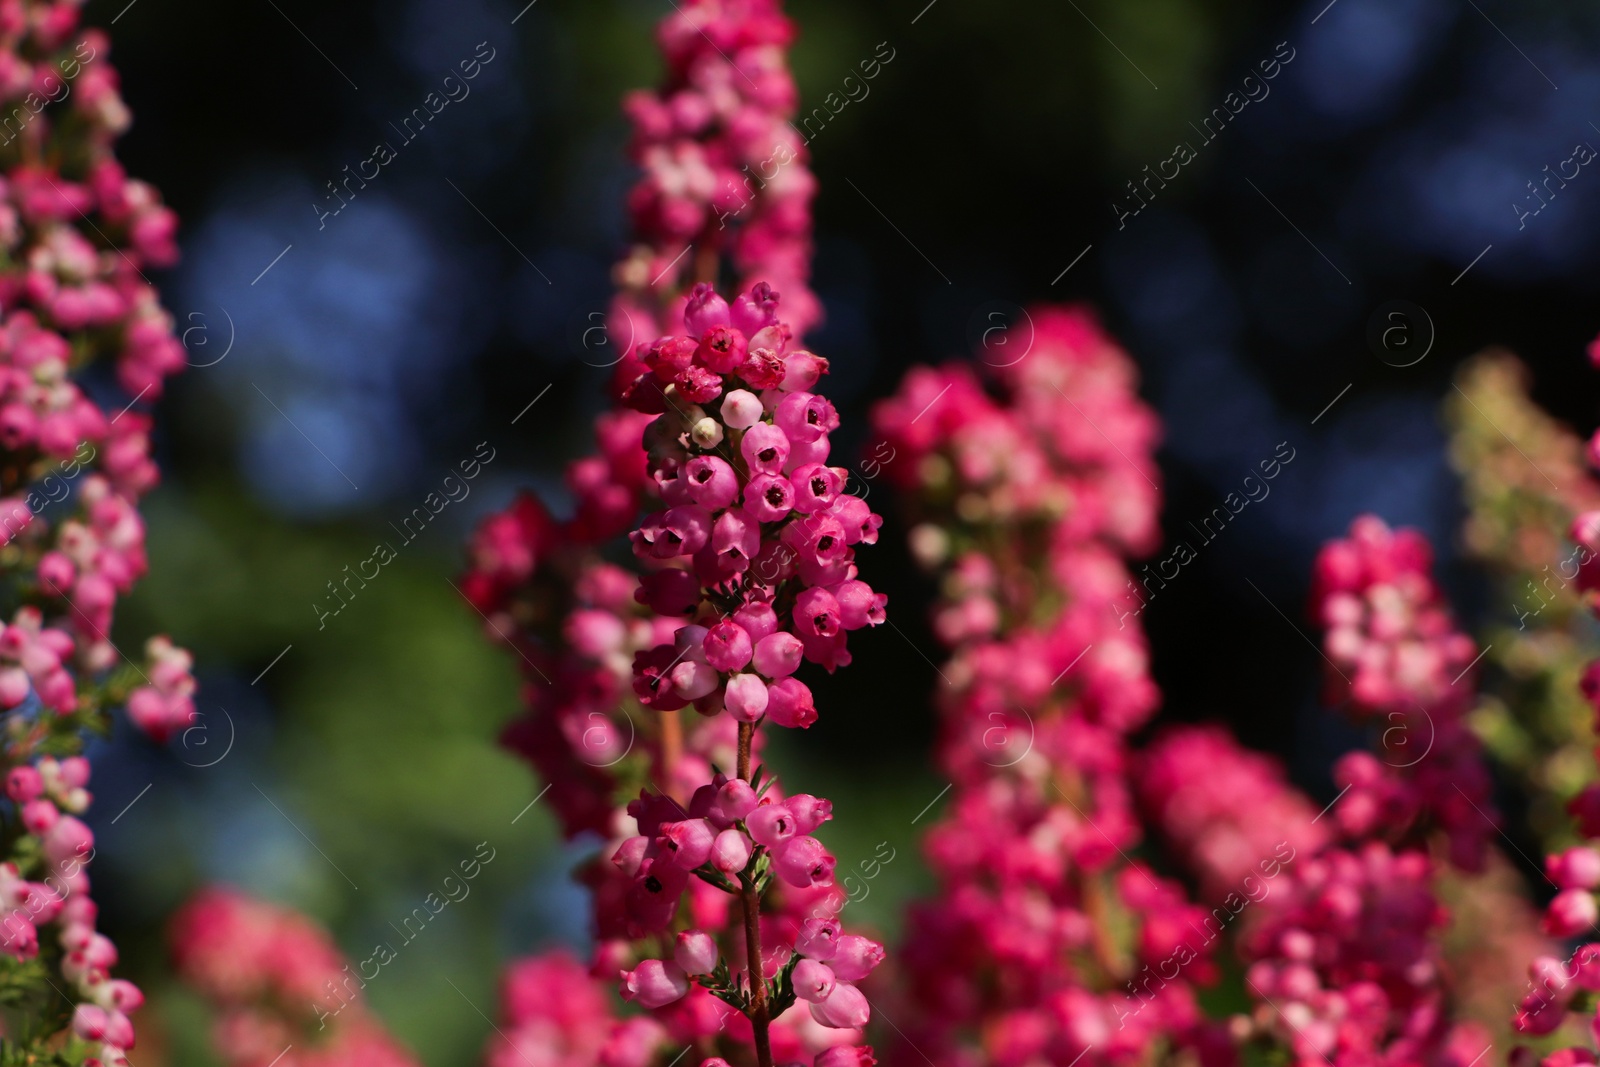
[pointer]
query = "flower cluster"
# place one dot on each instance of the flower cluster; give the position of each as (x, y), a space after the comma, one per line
(1525, 479)
(754, 514)
(747, 572)
(1348, 960)
(76, 238)
(732, 835)
(1045, 943)
(1556, 987)
(724, 167)
(555, 1014)
(268, 969)
(1348, 963)
(1220, 807)
(1396, 658)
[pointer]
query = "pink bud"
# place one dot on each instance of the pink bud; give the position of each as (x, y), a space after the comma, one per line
(778, 655)
(23, 784)
(56, 573)
(746, 697)
(696, 952)
(770, 824)
(856, 958)
(803, 863)
(13, 686)
(755, 310)
(758, 620)
(19, 938)
(688, 842)
(39, 816)
(731, 852)
(801, 371)
(858, 605)
(119, 1030)
(629, 856)
(818, 939)
(1576, 868)
(728, 649)
(1586, 530)
(741, 409)
(845, 1009)
(125, 996)
(809, 812)
(736, 538)
(735, 799)
(693, 680)
(654, 984)
(75, 772)
(90, 1022)
(860, 524)
(846, 1056)
(789, 704)
(1572, 911)
(813, 981)
(705, 310)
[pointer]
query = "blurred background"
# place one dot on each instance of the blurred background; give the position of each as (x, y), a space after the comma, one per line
(345, 363)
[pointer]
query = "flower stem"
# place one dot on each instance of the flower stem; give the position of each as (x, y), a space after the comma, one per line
(747, 733)
(671, 752)
(751, 899)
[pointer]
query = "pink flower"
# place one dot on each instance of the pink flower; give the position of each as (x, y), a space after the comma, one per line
(654, 983)
(846, 1056)
(789, 704)
(746, 697)
(844, 1009)
(1570, 912)
(1576, 868)
(705, 310)
(728, 647)
(23, 784)
(768, 497)
(813, 981)
(803, 862)
(688, 841)
(778, 655)
(696, 952)
(765, 448)
(771, 824)
(806, 417)
(855, 957)
(712, 483)
(730, 853)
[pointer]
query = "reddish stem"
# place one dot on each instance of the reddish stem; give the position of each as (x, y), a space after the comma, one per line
(752, 929)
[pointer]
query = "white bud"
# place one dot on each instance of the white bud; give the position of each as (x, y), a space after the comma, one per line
(707, 433)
